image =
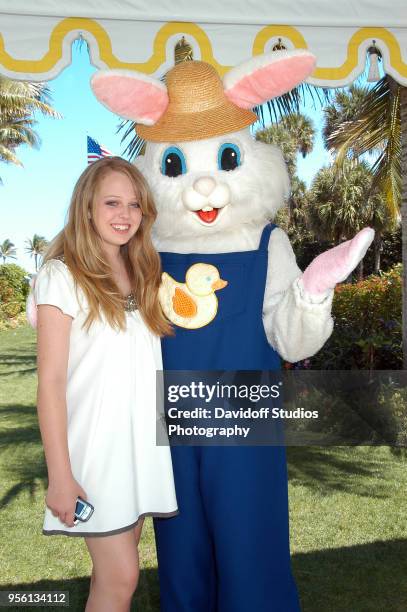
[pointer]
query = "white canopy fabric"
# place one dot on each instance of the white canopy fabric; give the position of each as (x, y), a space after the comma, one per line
(36, 36)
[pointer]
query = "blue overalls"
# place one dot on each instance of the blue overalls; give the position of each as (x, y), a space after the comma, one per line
(228, 549)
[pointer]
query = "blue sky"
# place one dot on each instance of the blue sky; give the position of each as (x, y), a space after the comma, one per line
(34, 198)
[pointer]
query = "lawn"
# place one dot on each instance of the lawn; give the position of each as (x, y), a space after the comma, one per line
(348, 511)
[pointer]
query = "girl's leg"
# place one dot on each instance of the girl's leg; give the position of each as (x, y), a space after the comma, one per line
(115, 570)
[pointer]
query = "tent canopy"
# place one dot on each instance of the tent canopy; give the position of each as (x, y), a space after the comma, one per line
(36, 37)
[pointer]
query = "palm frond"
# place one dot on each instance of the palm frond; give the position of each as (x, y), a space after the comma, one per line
(18, 96)
(19, 101)
(8, 156)
(375, 130)
(13, 135)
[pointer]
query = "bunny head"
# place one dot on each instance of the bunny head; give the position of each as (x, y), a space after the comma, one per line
(207, 173)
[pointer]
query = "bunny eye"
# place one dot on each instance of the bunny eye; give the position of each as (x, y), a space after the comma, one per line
(173, 162)
(229, 156)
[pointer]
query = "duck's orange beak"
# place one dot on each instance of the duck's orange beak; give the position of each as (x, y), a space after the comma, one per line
(219, 284)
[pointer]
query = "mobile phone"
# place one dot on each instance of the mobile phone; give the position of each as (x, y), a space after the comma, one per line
(83, 511)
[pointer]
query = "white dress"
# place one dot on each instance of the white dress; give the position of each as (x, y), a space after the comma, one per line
(112, 415)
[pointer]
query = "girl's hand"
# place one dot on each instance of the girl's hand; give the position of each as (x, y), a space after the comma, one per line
(61, 499)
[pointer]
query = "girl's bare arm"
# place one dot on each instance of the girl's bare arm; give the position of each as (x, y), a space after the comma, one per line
(53, 331)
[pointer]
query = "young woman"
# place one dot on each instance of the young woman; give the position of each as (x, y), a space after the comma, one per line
(99, 323)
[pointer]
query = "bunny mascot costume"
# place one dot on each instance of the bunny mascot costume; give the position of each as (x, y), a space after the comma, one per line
(216, 191)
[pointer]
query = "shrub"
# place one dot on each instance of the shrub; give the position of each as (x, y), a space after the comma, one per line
(354, 407)
(14, 289)
(368, 328)
(13, 323)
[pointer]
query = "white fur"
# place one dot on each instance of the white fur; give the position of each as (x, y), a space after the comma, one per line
(219, 197)
(255, 191)
(129, 74)
(296, 325)
(236, 74)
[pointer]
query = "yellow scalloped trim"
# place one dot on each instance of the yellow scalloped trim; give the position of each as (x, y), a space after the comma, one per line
(352, 56)
(341, 72)
(277, 31)
(158, 56)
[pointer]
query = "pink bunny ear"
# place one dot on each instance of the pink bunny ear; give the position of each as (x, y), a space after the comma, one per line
(267, 76)
(132, 95)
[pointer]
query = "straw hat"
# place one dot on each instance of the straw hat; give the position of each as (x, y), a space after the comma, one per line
(198, 107)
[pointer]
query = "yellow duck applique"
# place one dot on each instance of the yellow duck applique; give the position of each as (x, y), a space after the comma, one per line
(192, 304)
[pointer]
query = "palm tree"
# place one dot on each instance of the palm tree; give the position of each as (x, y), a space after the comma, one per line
(298, 202)
(18, 101)
(7, 249)
(344, 106)
(277, 134)
(368, 121)
(340, 205)
(293, 134)
(301, 128)
(380, 126)
(36, 247)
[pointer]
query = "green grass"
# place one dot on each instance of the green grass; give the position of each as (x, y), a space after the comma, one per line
(348, 514)
(348, 528)
(29, 560)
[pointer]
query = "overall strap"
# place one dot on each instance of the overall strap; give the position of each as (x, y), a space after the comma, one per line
(265, 236)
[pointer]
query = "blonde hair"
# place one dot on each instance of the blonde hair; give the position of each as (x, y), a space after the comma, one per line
(81, 248)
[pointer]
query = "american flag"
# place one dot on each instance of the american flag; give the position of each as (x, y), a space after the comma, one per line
(96, 151)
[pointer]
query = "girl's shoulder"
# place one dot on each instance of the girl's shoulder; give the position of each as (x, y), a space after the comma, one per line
(57, 272)
(52, 266)
(55, 285)
(56, 263)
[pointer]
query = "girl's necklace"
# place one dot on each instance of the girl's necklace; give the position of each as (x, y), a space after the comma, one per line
(130, 304)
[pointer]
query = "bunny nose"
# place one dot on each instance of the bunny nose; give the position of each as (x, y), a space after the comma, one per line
(204, 185)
